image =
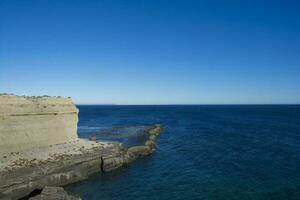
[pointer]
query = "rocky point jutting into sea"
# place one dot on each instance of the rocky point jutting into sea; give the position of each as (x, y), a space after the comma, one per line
(39, 147)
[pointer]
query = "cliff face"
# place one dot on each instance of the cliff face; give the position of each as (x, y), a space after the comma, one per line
(39, 146)
(27, 122)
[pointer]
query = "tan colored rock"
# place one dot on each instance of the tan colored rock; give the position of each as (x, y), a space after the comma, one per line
(57, 165)
(27, 122)
(139, 151)
(152, 137)
(54, 193)
(93, 138)
(39, 146)
(113, 162)
(155, 130)
(150, 143)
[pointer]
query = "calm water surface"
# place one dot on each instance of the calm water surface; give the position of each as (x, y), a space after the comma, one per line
(205, 152)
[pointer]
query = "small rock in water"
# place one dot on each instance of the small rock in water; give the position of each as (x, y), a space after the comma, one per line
(93, 138)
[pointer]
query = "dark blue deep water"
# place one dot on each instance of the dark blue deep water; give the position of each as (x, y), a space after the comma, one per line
(204, 152)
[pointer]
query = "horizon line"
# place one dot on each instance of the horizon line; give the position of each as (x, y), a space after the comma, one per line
(208, 104)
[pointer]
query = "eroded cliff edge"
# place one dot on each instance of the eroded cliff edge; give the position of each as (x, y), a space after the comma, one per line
(26, 166)
(27, 122)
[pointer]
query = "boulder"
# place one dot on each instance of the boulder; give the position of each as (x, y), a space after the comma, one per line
(155, 130)
(93, 138)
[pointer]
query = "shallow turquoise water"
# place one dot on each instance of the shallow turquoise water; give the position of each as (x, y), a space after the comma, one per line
(205, 152)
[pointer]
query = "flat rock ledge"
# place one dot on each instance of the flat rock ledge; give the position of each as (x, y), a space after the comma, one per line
(22, 173)
(54, 193)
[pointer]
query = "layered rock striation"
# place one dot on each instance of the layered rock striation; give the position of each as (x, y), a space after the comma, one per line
(39, 147)
(66, 163)
(27, 122)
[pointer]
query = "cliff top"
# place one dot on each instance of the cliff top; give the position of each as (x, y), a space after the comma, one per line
(14, 104)
(7, 95)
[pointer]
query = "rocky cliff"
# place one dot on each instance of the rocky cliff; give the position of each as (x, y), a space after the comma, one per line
(25, 172)
(39, 147)
(27, 122)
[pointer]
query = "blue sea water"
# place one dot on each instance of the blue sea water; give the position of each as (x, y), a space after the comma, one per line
(205, 152)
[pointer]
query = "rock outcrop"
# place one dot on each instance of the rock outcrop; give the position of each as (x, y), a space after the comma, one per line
(63, 164)
(27, 122)
(126, 156)
(54, 193)
(39, 147)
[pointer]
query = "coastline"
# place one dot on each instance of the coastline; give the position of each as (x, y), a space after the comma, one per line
(39, 146)
(24, 172)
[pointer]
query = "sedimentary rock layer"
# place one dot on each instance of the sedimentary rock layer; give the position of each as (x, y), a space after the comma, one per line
(39, 146)
(29, 122)
(61, 164)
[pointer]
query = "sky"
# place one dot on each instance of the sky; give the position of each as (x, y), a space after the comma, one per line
(152, 51)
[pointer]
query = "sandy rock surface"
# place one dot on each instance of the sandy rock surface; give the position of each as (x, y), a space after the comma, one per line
(29, 122)
(42, 155)
(39, 147)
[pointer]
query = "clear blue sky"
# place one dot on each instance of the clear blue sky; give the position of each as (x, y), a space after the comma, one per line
(152, 52)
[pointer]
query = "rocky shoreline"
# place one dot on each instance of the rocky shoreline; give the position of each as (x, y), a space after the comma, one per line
(23, 173)
(53, 193)
(39, 147)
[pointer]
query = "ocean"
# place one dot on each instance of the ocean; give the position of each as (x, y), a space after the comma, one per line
(204, 152)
